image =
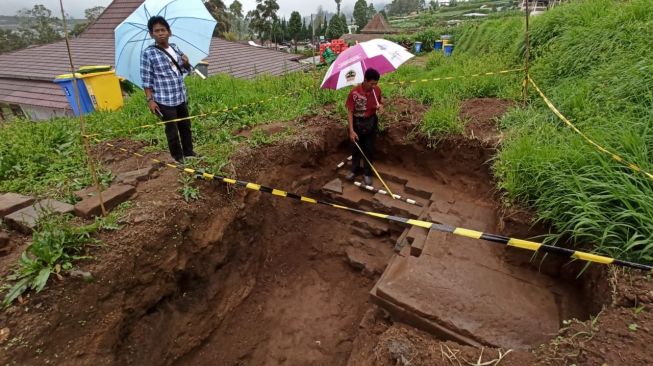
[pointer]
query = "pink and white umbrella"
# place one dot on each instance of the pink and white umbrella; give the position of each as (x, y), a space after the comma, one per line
(349, 68)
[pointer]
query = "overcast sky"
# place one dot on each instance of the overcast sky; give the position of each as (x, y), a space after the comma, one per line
(76, 7)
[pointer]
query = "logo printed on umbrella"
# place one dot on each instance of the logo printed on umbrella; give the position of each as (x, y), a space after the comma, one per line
(350, 76)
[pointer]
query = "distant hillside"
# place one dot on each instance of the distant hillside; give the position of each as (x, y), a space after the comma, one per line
(13, 21)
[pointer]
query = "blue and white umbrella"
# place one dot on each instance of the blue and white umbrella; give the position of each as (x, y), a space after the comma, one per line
(191, 25)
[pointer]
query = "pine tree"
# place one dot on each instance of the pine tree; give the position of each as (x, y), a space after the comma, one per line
(361, 14)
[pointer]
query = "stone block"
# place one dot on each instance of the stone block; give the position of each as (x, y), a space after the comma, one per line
(334, 186)
(376, 227)
(135, 176)
(112, 197)
(419, 188)
(396, 207)
(85, 193)
(416, 237)
(12, 202)
(26, 219)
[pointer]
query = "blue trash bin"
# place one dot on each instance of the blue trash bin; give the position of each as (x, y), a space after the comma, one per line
(66, 83)
(448, 49)
(438, 45)
(418, 47)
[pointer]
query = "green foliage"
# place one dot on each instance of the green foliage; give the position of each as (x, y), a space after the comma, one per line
(337, 27)
(589, 58)
(361, 15)
(56, 244)
(187, 191)
(295, 27)
(263, 17)
(47, 158)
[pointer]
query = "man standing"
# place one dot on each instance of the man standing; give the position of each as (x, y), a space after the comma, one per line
(363, 103)
(163, 67)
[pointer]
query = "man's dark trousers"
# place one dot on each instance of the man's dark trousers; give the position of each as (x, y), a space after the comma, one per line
(180, 140)
(366, 142)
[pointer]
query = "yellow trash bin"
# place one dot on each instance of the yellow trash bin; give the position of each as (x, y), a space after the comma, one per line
(104, 89)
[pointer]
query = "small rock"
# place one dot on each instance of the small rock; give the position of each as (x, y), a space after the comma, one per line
(356, 258)
(4, 239)
(334, 186)
(141, 218)
(4, 335)
(86, 276)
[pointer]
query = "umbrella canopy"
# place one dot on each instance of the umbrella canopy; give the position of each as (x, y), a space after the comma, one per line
(349, 68)
(191, 25)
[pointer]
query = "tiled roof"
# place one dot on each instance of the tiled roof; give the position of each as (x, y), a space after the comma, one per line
(113, 15)
(26, 75)
(378, 25)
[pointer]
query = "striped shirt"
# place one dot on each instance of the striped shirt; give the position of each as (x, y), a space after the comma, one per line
(159, 73)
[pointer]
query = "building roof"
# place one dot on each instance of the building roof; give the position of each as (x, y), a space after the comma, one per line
(378, 25)
(112, 16)
(26, 75)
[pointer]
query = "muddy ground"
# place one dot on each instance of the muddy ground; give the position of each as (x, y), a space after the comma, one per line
(244, 278)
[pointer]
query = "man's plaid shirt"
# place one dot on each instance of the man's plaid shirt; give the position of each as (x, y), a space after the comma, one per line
(158, 73)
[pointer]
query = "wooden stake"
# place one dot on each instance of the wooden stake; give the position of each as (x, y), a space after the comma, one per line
(527, 56)
(82, 124)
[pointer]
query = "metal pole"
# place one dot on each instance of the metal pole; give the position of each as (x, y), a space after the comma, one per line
(527, 55)
(82, 124)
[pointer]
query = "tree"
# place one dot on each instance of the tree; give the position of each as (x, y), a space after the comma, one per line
(39, 26)
(236, 9)
(11, 41)
(399, 7)
(361, 15)
(338, 6)
(295, 27)
(263, 18)
(91, 14)
(383, 13)
(371, 11)
(219, 11)
(304, 34)
(337, 27)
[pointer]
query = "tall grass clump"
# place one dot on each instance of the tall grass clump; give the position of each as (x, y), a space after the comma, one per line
(592, 59)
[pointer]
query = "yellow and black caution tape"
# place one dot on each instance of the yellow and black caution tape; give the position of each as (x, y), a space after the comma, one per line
(600, 148)
(201, 115)
(381, 191)
(403, 82)
(512, 242)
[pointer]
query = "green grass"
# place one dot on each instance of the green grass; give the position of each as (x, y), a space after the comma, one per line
(56, 245)
(592, 59)
(47, 158)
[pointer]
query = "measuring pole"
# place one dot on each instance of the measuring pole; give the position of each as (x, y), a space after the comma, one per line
(82, 124)
(527, 55)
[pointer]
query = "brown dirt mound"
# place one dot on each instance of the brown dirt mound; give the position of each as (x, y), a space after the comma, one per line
(480, 116)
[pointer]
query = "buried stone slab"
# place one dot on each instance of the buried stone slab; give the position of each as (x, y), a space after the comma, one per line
(396, 207)
(12, 202)
(136, 176)
(112, 197)
(26, 219)
(334, 186)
